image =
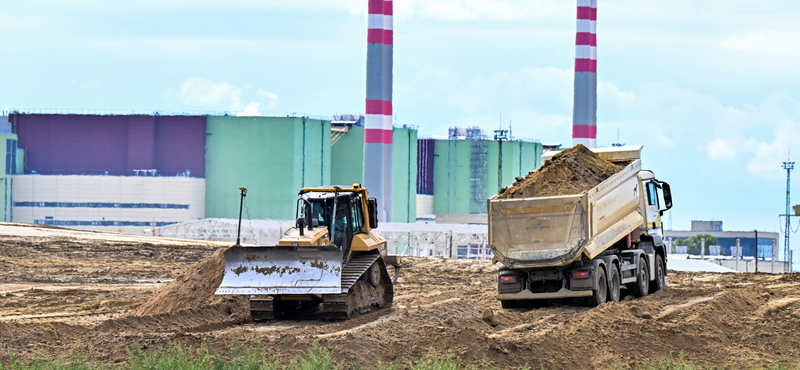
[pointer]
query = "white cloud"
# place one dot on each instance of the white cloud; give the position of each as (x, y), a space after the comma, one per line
(748, 43)
(683, 119)
(268, 94)
(770, 42)
(663, 116)
(20, 21)
(762, 134)
(250, 110)
(538, 101)
(466, 10)
(721, 149)
(768, 156)
(477, 10)
(202, 91)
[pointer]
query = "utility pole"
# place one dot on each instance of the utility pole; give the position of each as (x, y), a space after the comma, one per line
(703, 248)
(756, 253)
(774, 250)
(738, 253)
(499, 136)
(789, 167)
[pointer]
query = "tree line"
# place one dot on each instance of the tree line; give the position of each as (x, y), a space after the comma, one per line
(693, 244)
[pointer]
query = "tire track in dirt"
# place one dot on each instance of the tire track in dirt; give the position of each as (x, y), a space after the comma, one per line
(675, 307)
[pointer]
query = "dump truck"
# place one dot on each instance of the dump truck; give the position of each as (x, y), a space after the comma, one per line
(329, 262)
(584, 246)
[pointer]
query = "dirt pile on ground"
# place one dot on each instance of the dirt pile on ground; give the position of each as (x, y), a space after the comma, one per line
(194, 289)
(572, 171)
(57, 256)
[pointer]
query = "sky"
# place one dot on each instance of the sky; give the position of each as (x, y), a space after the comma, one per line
(710, 88)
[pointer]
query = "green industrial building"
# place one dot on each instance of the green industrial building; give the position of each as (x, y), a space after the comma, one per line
(466, 171)
(273, 157)
(457, 174)
(12, 164)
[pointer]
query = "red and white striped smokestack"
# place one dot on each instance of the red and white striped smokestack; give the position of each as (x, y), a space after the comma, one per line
(378, 120)
(584, 111)
(388, 58)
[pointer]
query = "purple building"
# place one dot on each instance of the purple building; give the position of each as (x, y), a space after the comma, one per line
(117, 144)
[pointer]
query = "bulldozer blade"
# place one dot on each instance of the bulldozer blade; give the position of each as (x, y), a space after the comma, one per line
(282, 270)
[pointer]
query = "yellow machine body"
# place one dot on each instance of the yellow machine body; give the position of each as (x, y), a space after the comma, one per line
(307, 264)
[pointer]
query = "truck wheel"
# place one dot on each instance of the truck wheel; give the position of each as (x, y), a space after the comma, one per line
(509, 304)
(613, 287)
(599, 295)
(642, 284)
(660, 282)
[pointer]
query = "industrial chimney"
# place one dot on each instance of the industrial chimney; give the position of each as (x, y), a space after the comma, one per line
(378, 122)
(584, 110)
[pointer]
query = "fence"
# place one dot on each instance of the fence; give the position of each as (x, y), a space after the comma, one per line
(450, 241)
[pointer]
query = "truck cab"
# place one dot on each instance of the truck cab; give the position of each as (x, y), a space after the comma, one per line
(657, 200)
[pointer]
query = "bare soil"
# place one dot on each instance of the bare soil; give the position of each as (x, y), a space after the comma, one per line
(73, 292)
(572, 171)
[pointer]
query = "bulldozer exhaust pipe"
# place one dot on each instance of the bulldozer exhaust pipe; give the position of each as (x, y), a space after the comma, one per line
(239, 230)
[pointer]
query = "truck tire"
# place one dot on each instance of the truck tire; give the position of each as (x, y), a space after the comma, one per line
(600, 294)
(661, 281)
(642, 285)
(613, 285)
(507, 304)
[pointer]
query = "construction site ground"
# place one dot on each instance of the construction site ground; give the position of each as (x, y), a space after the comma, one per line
(62, 290)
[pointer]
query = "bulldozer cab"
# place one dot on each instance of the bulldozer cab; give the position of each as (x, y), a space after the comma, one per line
(342, 213)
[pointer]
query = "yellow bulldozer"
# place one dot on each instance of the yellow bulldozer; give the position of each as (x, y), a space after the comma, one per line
(330, 263)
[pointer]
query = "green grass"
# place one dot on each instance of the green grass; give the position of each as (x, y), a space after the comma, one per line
(672, 362)
(251, 357)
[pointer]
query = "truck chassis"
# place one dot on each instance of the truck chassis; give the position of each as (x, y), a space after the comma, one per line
(640, 270)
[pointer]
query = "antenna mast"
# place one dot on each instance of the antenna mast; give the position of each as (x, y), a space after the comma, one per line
(788, 166)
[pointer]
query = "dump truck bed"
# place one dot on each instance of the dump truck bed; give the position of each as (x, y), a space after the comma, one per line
(557, 230)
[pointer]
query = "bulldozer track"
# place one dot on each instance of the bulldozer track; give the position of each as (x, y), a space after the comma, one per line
(261, 308)
(352, 301)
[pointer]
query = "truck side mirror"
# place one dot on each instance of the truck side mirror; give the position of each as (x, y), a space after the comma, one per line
(372, 205)
(667, 195)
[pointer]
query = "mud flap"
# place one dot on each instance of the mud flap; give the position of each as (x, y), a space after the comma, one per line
(282, 270)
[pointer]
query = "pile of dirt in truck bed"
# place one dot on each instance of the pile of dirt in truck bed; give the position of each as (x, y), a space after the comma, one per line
(572, 171)
(194, 289)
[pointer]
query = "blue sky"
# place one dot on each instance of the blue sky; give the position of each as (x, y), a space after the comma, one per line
(709, 87)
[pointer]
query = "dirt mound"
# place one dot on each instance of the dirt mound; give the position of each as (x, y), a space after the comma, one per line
(572, 171)
(194, 289)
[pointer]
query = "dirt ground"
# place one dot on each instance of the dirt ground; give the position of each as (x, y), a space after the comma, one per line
(63, 290)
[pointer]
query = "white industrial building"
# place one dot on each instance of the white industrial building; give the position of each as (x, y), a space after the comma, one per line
(128, 204)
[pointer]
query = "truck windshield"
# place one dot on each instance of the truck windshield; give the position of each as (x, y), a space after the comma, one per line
(530, 231)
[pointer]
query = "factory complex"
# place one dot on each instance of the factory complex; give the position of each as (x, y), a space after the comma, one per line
(134, 172)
